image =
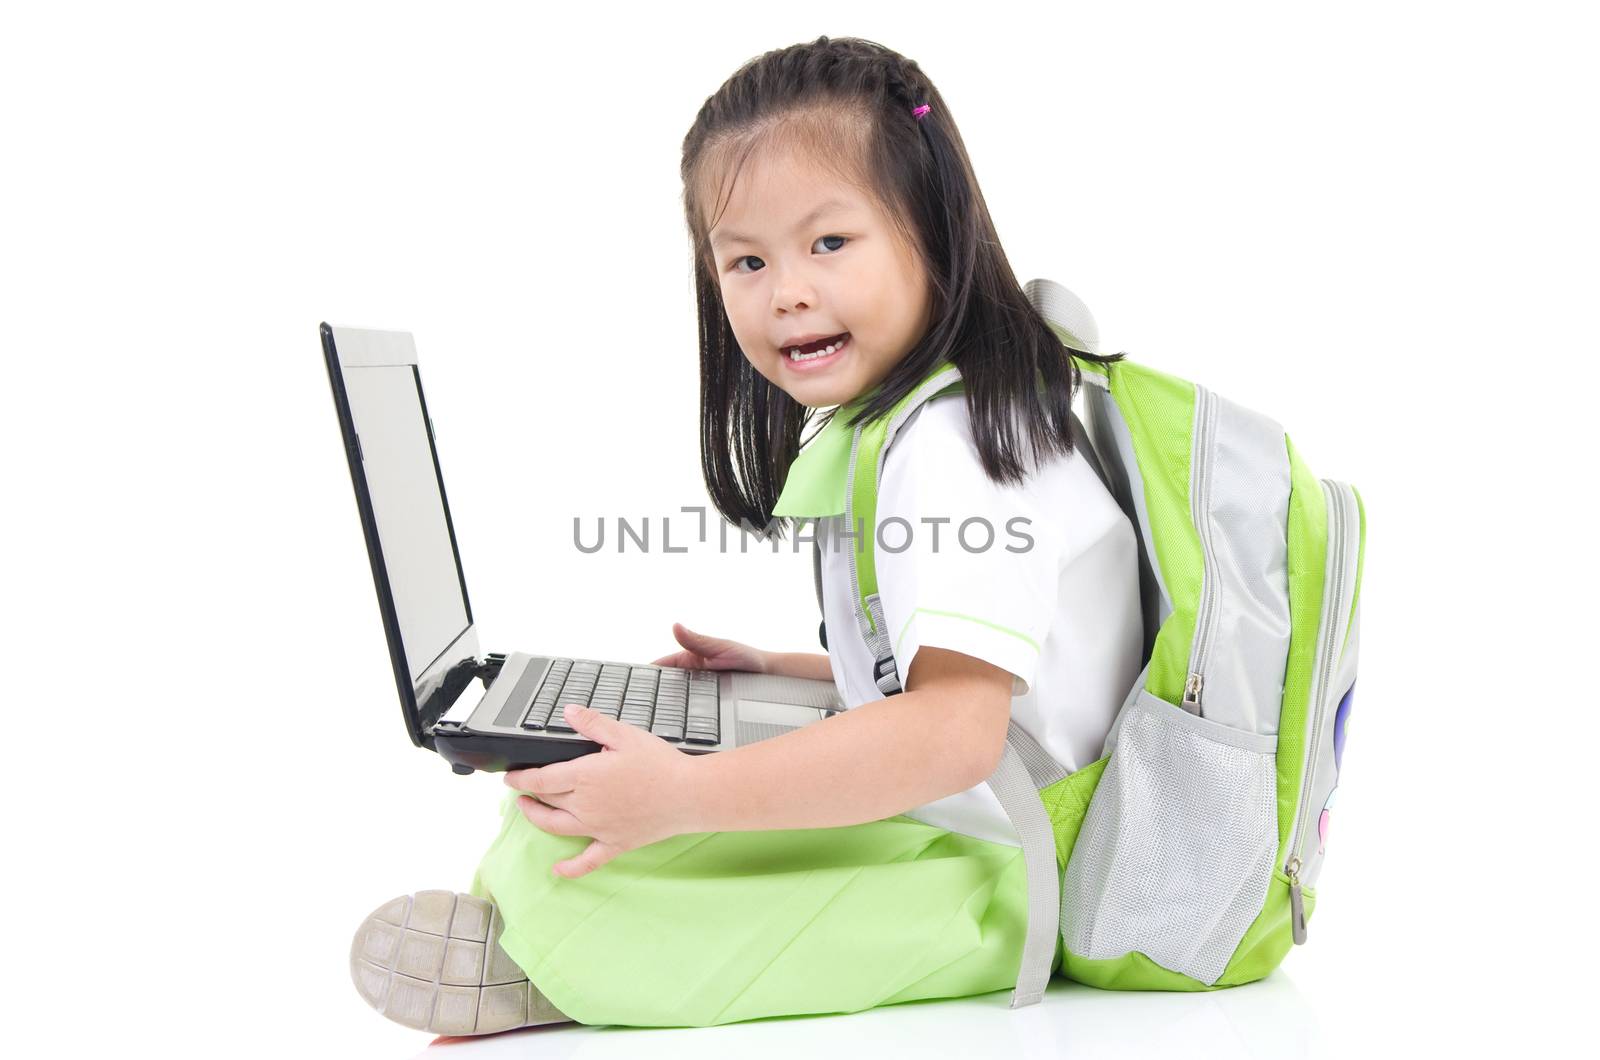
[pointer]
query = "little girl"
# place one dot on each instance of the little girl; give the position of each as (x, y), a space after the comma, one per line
(843, 254)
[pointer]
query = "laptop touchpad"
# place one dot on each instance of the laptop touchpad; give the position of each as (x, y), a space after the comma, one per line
(777, 713)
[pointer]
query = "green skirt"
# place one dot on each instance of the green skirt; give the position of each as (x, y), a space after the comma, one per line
(717, 927)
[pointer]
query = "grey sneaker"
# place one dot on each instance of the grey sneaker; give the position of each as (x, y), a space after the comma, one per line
(432, 960)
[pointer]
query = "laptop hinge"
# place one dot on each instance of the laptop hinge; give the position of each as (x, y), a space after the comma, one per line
(488, 667)
(449, 690)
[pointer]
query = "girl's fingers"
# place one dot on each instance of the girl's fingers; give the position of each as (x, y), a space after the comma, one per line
(704, 652)
(556, 801)
(595, 855)
(548, 818)
(681, 660)
(542, 780)
(695, 642)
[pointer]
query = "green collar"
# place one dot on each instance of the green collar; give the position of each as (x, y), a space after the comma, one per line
(815, 486)
(816, 482)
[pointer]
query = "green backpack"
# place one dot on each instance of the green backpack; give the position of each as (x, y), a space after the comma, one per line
(1186, 857)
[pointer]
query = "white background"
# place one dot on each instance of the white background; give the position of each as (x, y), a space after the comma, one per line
(1374, 222)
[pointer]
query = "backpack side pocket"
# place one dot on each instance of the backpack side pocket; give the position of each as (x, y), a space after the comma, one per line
(1177, 847)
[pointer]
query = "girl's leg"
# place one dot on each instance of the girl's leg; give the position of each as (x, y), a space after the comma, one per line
(718, 927)
(432, 960)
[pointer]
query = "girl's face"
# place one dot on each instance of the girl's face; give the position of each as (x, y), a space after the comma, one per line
(800, 255)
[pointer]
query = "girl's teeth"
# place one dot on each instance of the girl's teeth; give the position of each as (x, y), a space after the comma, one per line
(796, 355)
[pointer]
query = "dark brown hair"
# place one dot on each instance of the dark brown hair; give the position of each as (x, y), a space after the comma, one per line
(847, 103)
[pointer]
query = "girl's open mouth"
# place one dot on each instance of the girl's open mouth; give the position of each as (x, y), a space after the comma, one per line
(816, 355)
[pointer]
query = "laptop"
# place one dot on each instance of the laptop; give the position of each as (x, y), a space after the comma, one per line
(517, 720)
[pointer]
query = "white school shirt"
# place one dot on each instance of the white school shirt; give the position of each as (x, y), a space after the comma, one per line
(1062, 614)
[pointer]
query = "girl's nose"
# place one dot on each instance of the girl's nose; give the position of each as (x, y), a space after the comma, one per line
(794, 301)
(793, 291)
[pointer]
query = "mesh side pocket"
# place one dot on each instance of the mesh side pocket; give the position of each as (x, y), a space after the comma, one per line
(1176, 851)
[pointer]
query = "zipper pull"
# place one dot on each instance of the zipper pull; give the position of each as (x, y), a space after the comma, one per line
(1297, 909)
(1191, 694)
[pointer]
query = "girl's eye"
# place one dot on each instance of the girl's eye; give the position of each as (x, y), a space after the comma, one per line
(751, 257)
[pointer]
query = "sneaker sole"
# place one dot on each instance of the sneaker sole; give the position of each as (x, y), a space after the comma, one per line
(432, 961)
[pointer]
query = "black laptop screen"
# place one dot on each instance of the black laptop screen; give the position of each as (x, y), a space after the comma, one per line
(408, 506)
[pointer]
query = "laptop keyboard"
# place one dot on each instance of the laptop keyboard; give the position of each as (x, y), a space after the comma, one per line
(672, 703)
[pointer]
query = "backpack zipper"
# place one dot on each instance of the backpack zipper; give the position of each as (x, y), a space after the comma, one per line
(1200, 504)
(1297, 908)
(1333, 636)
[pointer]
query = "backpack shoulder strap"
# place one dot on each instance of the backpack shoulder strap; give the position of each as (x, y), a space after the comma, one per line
(816, 577)
(1024, 766)
(868, 448)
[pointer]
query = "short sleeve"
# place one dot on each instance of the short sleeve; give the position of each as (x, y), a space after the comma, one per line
(963, 562)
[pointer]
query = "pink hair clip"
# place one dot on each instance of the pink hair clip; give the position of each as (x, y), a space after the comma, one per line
(920, 111)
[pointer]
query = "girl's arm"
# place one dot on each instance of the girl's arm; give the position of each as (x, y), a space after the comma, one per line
(798, 664)
(942, 735)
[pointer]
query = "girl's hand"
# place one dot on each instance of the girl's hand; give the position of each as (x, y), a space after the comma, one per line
(712, 653)
(632, 792)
